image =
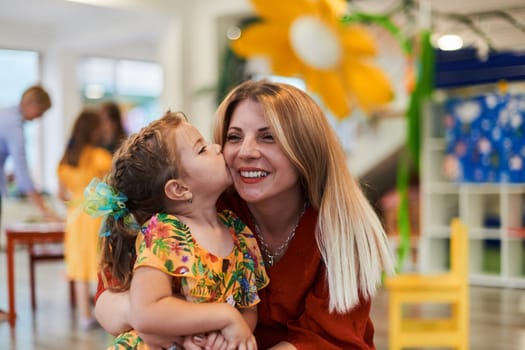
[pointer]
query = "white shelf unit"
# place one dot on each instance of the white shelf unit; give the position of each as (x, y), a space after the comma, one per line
(493, 212)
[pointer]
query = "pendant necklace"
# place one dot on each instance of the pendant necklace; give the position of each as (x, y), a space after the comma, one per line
(269, 254)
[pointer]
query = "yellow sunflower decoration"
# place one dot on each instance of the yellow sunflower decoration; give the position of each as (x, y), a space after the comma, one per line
(306, 38)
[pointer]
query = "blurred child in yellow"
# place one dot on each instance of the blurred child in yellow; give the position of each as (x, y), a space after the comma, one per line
(82, 160)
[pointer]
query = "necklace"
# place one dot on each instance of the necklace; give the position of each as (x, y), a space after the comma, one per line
(271, 255)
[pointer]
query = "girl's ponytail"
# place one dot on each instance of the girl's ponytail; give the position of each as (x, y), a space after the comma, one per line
(118, 231)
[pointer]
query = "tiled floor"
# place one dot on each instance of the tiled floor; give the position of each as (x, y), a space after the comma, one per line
(53, 325)
(497, 315)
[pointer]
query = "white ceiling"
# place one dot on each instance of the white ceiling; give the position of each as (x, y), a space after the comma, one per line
(139, 22)
(448, 16)
(63, 14)
(87, 28)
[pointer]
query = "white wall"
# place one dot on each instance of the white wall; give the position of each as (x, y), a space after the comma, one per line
(15, 36)
(201, 52)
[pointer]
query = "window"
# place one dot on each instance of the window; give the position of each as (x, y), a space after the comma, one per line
(18, 70)
(135, 85)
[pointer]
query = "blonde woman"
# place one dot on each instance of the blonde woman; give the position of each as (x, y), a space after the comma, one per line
(324, 246)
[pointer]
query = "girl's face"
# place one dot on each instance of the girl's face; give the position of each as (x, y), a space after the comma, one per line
(203, 166)
(259, 167)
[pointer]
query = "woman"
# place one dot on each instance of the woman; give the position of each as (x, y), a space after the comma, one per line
(324, 247)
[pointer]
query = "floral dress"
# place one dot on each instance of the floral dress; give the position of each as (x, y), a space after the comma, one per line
(167, 244)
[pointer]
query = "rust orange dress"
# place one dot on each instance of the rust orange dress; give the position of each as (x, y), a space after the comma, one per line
(294, 306)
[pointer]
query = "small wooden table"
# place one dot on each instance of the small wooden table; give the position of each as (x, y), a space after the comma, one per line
(26, 233)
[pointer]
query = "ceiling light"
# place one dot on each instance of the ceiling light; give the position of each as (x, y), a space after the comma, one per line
(94, 91)
(450, 42)
(233, 33)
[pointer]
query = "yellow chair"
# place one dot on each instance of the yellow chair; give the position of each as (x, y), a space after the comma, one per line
(445, 288)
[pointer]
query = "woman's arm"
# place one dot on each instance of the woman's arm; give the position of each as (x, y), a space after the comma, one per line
(111, 308)
(112, 311)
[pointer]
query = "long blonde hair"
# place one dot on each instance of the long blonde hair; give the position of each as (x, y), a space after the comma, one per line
(350, 236)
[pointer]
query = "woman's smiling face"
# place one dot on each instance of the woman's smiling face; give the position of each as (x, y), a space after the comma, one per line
(259, 167)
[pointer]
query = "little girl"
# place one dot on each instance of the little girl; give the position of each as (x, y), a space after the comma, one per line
(166, 179)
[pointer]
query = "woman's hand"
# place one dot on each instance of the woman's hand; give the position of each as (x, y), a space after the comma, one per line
(210, 341)
(160, 342)
(194, 342)
(236, 335)
(216, 341)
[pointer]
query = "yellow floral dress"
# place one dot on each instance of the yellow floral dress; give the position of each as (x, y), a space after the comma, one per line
(167, 244)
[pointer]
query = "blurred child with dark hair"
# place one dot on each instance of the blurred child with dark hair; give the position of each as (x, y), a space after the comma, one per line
(83, 159)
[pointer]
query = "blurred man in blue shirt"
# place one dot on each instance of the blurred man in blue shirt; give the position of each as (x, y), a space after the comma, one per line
(34, 103)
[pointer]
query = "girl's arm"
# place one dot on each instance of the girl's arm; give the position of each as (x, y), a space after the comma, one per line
(155, 310)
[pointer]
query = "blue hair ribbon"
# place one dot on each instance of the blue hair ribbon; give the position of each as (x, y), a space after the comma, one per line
(102, 199)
